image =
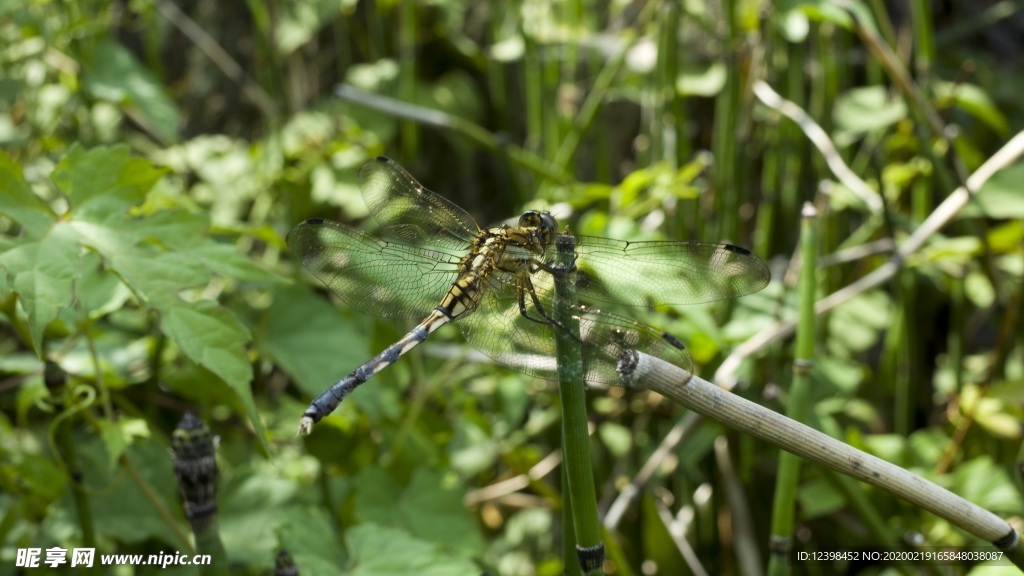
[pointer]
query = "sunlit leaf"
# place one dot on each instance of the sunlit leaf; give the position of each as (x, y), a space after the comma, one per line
(310, 339)
(383, 551)
(867, 109)
(424, 509)
(19, 202)
(116, 76)
(974, 101)
(42, 272)
(1000, 196)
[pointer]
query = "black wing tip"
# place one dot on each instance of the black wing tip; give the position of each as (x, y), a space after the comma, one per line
(384, 160)
(737, 249)
(313, 221)
(672, 340)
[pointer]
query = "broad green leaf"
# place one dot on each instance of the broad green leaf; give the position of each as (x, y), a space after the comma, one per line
(98, 290)
(308, 535)
(820, 10)
(43, 272)
(104, 180)
(19, 202)
(793, 24)
(121, 510)
(116, 76)
(382, 551)
(819, 498)
(43, 480)
(472, 449)
(856, 325)
(867, 109)
(424, 509)
(118, 435)
(212, 337)
(981, 481)
(295, 23)
(253, 506)
(310, 339)
(226, 260)
(975, 102)
(999, 197)
(618, 439)
(158, 276)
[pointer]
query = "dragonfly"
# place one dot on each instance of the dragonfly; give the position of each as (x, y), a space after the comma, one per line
(498, 284)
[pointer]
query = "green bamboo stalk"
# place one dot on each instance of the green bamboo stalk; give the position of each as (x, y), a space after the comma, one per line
(533, 84)
(407, 73)
(799, 397)
(793, 144)
(924, 37)
(592, 104)
(957, 326)
(570, 566)
(726, 113)
(582, 496)
(497, 86)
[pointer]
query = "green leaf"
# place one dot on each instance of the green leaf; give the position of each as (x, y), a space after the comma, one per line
(975, 102)
(19, 202)
(381, 551)
(856, 325)
(42, 272)
(820, 10)
(118, 435)
(307, 534)
(981, 481)
(254, 504)
(999, 197)
(121, 510)
(424, 509)
(116, 76)
(867, 109)
(310, 339)
(212, 337)
(819, 498)
(104, 180)
(296, 22)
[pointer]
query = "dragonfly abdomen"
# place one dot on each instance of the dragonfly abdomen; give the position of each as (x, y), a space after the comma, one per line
(329, 399)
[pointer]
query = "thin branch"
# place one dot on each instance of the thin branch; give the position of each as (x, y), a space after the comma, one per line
(822, 142)
(643, 372)
(220, 57)
(942, 215)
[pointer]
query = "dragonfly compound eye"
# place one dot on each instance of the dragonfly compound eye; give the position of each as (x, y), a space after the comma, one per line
(440, 266)
(543, 222)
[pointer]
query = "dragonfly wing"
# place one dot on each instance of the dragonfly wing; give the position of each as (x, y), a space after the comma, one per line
(409, 212)
(381, 278)
(498, 329)
(654, 273)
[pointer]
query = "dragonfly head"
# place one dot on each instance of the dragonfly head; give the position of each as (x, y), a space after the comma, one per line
(543, 222)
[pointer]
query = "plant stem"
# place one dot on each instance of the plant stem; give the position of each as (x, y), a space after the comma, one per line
(799, 396)
(582, 496)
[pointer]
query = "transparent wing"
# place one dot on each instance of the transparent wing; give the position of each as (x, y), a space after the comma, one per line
(386, 279)
(498, 328)
(653, 273)
(408, 212)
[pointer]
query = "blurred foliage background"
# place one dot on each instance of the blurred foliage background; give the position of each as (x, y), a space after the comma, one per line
(156, 153)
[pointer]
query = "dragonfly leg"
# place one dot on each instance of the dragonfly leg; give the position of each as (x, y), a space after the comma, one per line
(526, 287)
(554, 270)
